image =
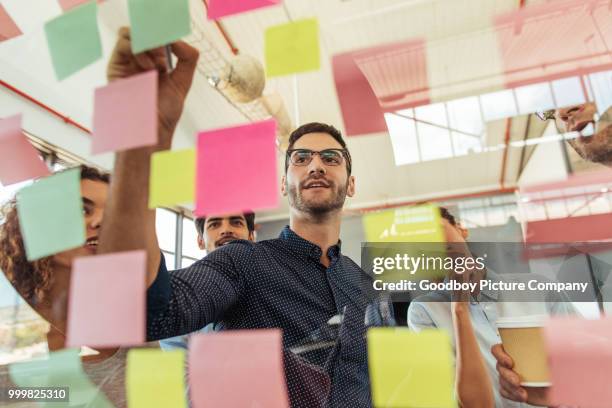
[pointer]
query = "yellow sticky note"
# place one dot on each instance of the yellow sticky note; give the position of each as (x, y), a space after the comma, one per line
(172, 178)
(155, 378)
(419, 223)
(293, 47)
(414, 231)
(410, 369)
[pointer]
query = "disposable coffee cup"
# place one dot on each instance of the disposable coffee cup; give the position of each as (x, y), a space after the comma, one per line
(523, 340)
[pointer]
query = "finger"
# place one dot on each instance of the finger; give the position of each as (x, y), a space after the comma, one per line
(509, 376)
(515, 393)
(501, 356)
(186, 65)
(158, 55)
(513, 396)
(144, 61)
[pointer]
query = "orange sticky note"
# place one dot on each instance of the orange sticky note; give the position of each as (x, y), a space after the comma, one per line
(238, 368)
(107, 302)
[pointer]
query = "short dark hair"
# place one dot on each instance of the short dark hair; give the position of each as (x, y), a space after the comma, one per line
(91, 173)
(444, 213)
(248, 216)
(316, 127)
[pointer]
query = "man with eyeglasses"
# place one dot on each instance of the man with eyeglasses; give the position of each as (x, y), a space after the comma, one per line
(296, 282)
(582, 118)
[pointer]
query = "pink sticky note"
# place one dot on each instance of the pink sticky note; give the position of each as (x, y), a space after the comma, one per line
(537, 200)
(580, 361)
(8, 28)
(18, 158)
(68, 4)
(236, 169)
(222, 8)
(528, 37)
(397, 73)
(360, 109)
(241, 368)
(125, 114)
(107, 303)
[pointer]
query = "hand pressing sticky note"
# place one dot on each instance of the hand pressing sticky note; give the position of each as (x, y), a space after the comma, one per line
(236, 169)
(238, 368)
(172, 179)
(125, 114)
(51, 214)
(19, 161)
(292, 48)
(156, 378)
(222, 8)
(580, 361)
(74, 40)
(155, 23)
(62, 369)
(107, 305)
(410, 369)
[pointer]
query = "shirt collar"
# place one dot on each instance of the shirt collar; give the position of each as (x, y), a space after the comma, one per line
(306, 248)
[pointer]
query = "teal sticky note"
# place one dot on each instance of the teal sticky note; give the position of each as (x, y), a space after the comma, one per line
(51, 214)
(155, 23)
(62, 369)
(74, 40)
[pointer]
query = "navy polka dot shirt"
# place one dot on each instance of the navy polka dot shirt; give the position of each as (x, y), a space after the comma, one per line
(274, 283)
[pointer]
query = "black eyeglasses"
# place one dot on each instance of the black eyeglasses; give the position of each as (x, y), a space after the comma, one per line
(329, 157)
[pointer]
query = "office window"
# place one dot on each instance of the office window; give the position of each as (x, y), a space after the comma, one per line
(191, 251)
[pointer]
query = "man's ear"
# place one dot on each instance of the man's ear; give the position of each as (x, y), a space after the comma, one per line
(284, 186)
(350, 189)
(252, 236)
(201, 244)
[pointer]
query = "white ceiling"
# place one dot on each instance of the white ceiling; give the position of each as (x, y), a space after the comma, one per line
(344, 25)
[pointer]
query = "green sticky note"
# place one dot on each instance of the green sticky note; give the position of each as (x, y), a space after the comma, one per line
(155, 23)
(51, 214)
(74, 40)
(293, 47)
(410, 369)
(172, 178)
(155, 378)
(62, 369)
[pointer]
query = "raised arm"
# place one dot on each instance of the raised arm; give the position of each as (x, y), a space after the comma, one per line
(473, 384)
(128, 222)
